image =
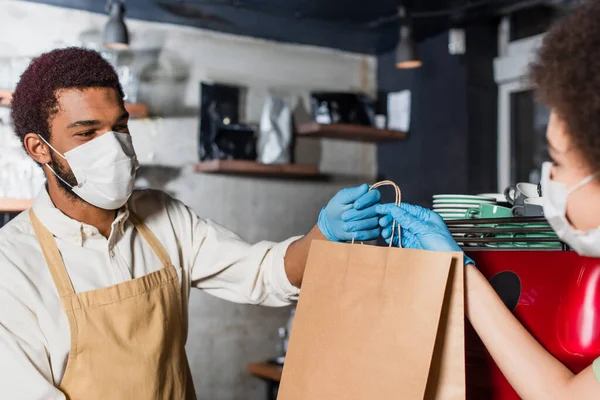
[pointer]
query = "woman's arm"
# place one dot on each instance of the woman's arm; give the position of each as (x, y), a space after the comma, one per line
(531, 370)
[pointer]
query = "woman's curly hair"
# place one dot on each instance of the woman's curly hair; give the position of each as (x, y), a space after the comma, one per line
(566, 74)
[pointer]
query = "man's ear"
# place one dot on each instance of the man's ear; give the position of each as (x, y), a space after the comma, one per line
(37, 149)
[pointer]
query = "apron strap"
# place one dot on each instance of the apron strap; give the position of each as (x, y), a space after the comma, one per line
(152, 240)
(53, 258)
(59, 273)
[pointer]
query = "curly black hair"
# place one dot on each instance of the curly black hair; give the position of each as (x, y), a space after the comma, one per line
(567, 78)
(34, 101)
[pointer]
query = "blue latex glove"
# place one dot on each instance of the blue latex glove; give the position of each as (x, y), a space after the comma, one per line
(351, 214)
(421, 228)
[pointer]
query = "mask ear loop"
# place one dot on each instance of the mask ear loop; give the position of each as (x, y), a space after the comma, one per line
(49, 145)
(398, 201)
(48, 165)
(583, 182)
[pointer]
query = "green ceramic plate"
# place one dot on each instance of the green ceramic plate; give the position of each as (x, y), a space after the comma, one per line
(461, 197)
(463, 201)
(453, 205)
(450, 211)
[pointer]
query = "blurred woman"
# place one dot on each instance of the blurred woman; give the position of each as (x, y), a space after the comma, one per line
(567, 77)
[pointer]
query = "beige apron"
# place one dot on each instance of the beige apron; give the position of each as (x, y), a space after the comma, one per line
(127, 340)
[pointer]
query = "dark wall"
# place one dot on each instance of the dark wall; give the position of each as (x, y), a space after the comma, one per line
(482, 108)
(432, 159)
(452, 140)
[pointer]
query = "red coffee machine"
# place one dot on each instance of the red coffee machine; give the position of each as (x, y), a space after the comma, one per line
(556, 296)
(554, 292)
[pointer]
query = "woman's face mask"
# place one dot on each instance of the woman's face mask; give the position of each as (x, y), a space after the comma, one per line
(556, 195)
(105, 169)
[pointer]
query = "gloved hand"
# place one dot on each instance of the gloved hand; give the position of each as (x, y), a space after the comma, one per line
(421, 228)
(351, 214)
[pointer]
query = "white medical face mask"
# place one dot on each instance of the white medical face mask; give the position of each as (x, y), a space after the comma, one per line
(555, 196)
(105, 169)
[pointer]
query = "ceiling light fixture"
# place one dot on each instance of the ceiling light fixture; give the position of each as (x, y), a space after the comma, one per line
(407, 54)
(116, 36)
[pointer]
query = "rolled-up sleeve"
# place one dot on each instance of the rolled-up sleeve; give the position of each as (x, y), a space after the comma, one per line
(229, 268)
(224, 265)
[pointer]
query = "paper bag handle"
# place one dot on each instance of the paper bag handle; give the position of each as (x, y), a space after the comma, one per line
(398, 201)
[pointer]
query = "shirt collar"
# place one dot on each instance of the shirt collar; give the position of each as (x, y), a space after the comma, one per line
(69, 229)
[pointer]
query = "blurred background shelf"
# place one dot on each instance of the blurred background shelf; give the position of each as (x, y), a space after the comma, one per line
(135, 110)
(252, 168)
(266, 370)
(14, 205)
(5, 98)
(348, 132)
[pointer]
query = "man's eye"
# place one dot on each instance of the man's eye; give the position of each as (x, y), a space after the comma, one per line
(87, 133)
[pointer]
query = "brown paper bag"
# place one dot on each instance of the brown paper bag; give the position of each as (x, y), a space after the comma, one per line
(377, 323)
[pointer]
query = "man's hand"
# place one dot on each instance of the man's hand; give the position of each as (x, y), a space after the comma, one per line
(351, 214)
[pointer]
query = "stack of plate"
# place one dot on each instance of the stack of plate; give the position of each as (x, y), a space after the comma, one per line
(516, 244)
(454, 206)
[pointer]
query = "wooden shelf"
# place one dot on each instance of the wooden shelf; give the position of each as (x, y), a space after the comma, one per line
(266, 371)
(135, 110)
(5, 97)
(252, 168)
(348, 132)
(14, 205)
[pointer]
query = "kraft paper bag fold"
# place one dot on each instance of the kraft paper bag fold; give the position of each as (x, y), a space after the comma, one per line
(377, 323)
